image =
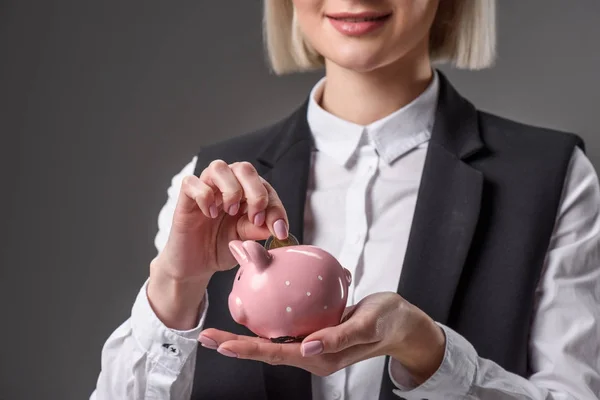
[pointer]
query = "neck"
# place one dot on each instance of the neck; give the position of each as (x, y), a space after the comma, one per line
(365, 97)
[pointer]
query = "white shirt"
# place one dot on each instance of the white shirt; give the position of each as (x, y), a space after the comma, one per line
(361, 178)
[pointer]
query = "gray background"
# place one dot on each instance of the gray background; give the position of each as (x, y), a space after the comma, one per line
(102, 102)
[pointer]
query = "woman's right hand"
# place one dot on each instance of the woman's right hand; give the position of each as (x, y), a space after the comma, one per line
(226, 202)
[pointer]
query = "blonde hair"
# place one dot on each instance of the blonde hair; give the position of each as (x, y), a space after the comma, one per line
(463, 34)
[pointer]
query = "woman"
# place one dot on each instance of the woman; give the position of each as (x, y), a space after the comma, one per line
(473, 240)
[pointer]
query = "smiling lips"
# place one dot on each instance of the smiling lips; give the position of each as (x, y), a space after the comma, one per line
(358, 24)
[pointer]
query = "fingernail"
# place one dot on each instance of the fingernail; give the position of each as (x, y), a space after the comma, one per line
(280, 229)
(213, 211)
(259, 218)
(312, 348)
(226, 352)
(208, 342)
(233, 209)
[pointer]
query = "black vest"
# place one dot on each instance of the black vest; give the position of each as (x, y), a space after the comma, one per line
(484, 216)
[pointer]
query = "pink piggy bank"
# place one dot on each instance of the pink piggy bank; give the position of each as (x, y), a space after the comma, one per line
(287, 293)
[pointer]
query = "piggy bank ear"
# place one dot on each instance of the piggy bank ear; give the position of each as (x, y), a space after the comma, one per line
(238, 251)
(257, 254)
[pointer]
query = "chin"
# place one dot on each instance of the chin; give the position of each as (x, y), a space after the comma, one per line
(357, 61)
(360, 56)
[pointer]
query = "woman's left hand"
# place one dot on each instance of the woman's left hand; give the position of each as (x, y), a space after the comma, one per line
(380, 324)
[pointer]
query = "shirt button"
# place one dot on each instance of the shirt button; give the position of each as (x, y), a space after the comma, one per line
(171, 349)
(336, 394)
(357, 238)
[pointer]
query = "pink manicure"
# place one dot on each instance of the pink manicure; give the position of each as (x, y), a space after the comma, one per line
(259, 218)
(208, 342)
(233, 209)
(312, 348)
(226, 352)
(280, 229)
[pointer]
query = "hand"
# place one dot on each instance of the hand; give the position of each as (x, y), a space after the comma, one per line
(380, 324)
(226, 202)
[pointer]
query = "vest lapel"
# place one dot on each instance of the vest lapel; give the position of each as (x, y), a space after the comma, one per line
(447, 208)
(446, 213)
(285, 164)
(444, 222)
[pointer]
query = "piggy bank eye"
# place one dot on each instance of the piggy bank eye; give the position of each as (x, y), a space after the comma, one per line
(240, 274)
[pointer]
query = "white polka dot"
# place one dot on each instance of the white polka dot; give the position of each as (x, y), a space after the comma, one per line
(320, 278)
(308, 293)
(325, 308)
(287, 283)
(288, 309)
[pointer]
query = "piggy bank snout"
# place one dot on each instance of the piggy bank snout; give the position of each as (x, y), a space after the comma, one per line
(236, 308)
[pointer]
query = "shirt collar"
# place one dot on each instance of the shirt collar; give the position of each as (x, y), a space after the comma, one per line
(392, 136)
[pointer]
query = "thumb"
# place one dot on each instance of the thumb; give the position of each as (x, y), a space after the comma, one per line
(335, 339)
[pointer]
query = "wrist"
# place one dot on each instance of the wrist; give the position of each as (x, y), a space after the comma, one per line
(420, 351)
(175, 301)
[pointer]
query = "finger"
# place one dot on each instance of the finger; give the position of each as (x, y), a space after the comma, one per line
(255, 192)
(267, 352)
(248, 231)
(221, 179)
(332, 362)
(195, 193)
(212, 338)
(290, 354)
(276, 217)
(348, 312)
(337, 338)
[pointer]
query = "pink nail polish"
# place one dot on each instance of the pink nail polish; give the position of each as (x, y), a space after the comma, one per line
(213, 211)
(259, 218)
(280, 229)
(233, 209)
(226, 352)
(312, 348)
(208, 342)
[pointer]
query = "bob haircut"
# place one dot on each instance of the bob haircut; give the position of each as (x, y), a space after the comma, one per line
(463, 33)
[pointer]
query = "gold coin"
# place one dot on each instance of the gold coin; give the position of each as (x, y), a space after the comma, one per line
(273, 243)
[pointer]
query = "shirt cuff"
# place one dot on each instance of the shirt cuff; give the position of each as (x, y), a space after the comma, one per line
(168, 347)
(454, 377)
